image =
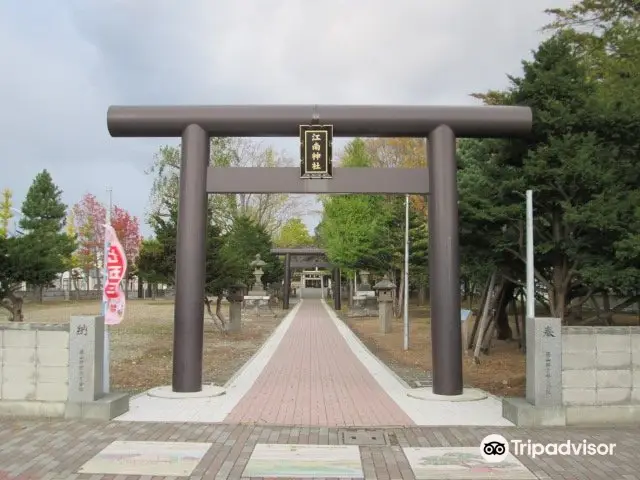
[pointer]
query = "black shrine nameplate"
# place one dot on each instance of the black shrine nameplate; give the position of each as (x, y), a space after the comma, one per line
(316, 149)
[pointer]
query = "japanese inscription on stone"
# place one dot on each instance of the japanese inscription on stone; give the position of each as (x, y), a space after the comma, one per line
(316, 147)
(86, 350)
(547, 333)
(544, 361)
(81, 371)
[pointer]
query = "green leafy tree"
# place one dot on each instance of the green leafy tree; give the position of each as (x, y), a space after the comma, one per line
(244, 241)
(6, 214)
(152, 264)
(367, 231)
(15, 263)
(294, 233)
(268, 210)
(352, 228)
(605, 34)
(582, 184)
(43, 220)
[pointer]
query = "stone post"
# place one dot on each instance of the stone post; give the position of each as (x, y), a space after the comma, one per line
(385, 290)
(235, 297)
(544, 362)
(86, 352)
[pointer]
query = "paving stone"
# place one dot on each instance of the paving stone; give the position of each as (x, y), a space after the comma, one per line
(41, 449)
(314, 378)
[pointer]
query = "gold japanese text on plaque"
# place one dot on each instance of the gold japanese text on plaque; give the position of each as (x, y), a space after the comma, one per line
(316, 143)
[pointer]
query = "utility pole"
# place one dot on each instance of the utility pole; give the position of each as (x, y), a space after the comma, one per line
(531, 303)
(406, 273)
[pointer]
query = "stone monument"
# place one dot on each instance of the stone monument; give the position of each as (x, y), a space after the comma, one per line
(235, 296)
(87, 398)
(385, 288)
(544, 362)
(543, 402)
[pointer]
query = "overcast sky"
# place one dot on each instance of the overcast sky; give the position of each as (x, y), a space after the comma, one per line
(63, 62)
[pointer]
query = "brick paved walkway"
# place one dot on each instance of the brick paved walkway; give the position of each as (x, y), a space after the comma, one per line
(315, 379)
(51, 450)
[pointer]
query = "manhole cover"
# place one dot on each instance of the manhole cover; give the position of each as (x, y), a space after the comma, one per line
(363, 437)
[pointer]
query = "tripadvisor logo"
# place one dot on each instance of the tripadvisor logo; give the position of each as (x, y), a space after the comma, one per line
(495, 448)
(568, 447)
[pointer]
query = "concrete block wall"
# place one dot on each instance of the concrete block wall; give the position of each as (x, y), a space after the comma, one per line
(600, 366)
(34, 368)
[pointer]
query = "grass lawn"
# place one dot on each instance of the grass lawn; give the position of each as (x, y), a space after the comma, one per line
(141, 346)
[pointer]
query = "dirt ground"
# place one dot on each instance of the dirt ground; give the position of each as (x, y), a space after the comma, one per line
(501, 372)
(141, 346)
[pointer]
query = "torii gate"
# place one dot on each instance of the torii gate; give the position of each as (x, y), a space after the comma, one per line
(440, 124)
(308, 252)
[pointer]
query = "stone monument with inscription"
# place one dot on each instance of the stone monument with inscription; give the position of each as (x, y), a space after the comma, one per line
(544, 362)
(86, 369)
(543, 403)
(86, 351)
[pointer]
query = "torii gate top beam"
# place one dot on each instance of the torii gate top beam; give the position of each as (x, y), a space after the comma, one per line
(298, 251)
(347, 120)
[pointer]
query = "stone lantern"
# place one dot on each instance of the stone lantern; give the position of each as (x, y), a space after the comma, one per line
(385, 289)
(364, 281)
(258, 288)
(235, 296)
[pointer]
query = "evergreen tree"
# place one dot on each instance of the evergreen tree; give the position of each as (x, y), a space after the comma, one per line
(46, 246)
(246, 239)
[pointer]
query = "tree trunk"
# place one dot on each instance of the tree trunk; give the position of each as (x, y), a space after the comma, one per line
(505, 296)
(488, 336)
(14, 303)
(606, 306)
(140, 288)
(219, 313)
(577, 313)
(472, 291)
(596, 307)
(126, 285)
(401, 294)
(422, 294)
(558, 297)
(516, 315)
(40, 293)
(484, 320)
(478, 313)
